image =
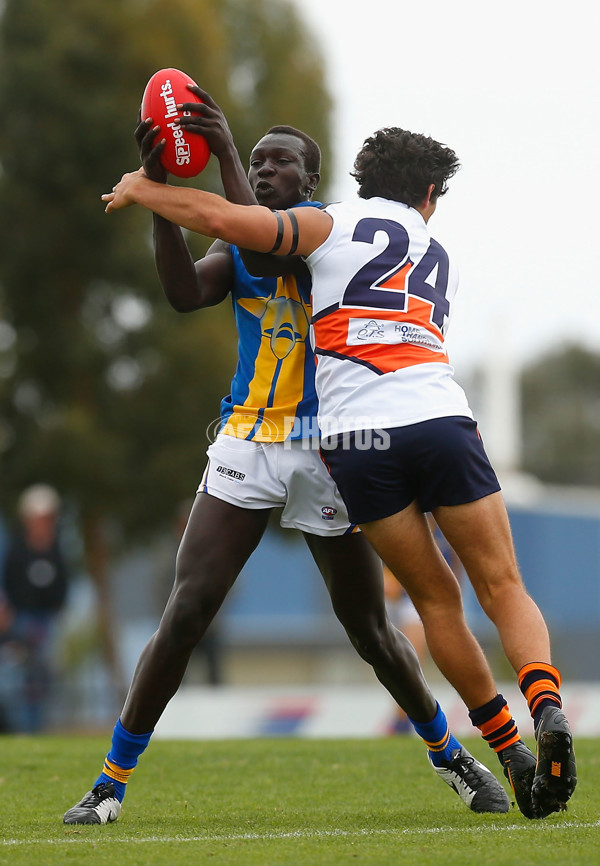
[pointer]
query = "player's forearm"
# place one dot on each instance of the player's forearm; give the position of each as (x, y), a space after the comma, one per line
(250, 227)
(205, 213)
(233, 176)
(175, 266)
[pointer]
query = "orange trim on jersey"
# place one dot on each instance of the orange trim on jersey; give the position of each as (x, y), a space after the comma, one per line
(331, 335)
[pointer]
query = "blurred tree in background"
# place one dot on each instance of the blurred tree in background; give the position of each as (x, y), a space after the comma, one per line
(561, 417)
(105, 392)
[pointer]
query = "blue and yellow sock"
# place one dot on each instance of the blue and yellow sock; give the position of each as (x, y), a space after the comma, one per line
(122, 758)
(437, 737)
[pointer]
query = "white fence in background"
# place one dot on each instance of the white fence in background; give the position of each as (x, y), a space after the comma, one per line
(338, 711)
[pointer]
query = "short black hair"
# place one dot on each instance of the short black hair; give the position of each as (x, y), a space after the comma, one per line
(400, 165)
(312, 151)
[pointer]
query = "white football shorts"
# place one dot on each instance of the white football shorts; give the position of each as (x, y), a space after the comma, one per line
(276, 475)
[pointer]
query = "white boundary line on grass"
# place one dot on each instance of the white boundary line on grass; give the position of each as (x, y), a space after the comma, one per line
(307, 834)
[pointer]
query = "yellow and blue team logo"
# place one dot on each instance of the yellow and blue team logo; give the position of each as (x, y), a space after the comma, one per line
(274, 384)
(284, 320)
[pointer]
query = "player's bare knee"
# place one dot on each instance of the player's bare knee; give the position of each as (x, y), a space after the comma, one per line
(373, 642)
(499, 590)
(444, 602)
(188, 614)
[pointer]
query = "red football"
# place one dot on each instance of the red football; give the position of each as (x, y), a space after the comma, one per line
(186, 153)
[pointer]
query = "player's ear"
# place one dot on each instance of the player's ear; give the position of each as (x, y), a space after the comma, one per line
(312, 182)
(427, 200)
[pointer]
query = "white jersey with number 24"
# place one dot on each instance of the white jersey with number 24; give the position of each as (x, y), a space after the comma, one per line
(382, 290)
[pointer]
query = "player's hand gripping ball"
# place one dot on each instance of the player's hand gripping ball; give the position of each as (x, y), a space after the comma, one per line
(185, 153)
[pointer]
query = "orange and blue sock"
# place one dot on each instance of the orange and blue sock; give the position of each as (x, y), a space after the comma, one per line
(437, 737)
(497, 726)
(540, 684)
(122, 758)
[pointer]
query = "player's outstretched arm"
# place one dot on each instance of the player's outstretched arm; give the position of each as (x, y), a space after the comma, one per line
(252, 227)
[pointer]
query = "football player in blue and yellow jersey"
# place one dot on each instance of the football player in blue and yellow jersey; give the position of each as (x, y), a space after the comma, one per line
(265, 456)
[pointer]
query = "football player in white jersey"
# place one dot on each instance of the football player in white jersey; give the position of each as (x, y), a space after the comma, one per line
(398, 434)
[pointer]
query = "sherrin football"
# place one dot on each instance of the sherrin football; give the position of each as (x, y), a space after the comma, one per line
(185, 153)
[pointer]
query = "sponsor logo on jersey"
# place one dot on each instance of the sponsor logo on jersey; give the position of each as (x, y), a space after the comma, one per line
(328, 512)
(371, 331)
(233, 474)
(361, 331)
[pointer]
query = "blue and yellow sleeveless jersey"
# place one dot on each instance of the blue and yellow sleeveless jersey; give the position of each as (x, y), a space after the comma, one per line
(273, 395)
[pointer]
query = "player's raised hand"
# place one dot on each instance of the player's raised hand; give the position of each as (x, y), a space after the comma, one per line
(207, 119)
(122, 193)
(145, 133)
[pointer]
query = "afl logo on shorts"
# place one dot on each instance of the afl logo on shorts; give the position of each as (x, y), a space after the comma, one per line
(328, 513)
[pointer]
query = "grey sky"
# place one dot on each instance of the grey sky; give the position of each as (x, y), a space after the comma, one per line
(515, 90)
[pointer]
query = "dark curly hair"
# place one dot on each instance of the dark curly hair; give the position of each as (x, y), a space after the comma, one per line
(400, 165)
(311, 150)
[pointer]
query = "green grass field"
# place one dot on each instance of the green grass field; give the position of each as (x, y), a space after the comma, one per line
(280, 801)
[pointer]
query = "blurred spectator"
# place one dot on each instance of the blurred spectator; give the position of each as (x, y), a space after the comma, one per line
(34, 584)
